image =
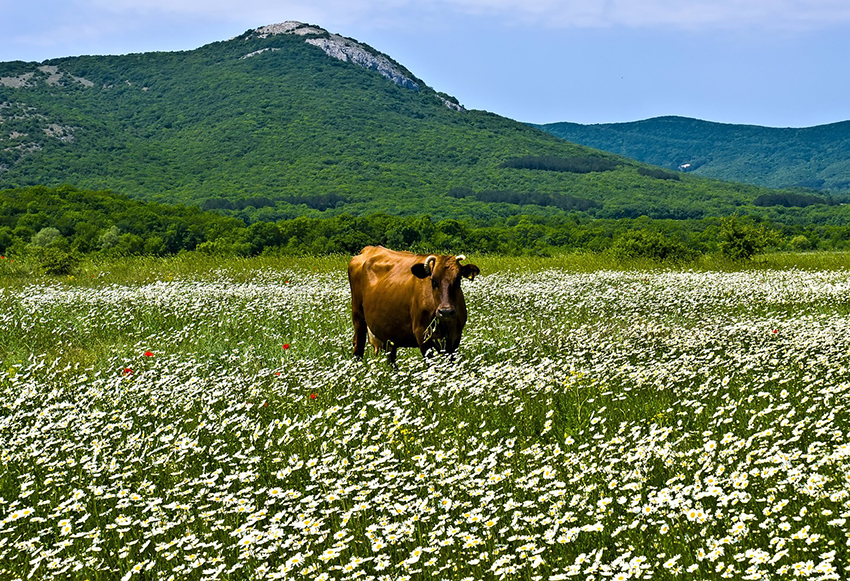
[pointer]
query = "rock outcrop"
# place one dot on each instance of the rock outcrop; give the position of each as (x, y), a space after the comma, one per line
(48, 74)
(344, 49)
(347, 50)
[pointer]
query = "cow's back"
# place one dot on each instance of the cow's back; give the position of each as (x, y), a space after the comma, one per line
(383, 286)
(378, 267)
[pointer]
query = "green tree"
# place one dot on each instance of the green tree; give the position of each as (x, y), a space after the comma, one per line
(741, 240)
(6, 238)
(800, 242)
(47, 237)
(110, 238)
(262, 235)
(130, 244)
(155, 246)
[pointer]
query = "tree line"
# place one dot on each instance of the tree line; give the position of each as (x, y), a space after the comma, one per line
(562, 201)
(572, 164)
(53, 226)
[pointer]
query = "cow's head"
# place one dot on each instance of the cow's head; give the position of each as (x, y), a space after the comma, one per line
(445, 273)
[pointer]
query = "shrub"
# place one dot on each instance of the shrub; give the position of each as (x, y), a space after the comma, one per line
(649, 244)
(742, 240)
(800, 242)
(53, 261)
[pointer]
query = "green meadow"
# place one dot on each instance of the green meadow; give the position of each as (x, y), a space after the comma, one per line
(194, 417)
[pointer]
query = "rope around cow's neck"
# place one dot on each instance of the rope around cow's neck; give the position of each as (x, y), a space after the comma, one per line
(430, 330)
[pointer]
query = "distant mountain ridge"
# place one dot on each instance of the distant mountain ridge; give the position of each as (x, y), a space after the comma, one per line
(812, 157)
(291, 120)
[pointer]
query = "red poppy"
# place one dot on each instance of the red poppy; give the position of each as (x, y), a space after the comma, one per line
(775, 331)
(285, 346)
(148, 353)
(277, 373)
(312, 396)
(128, 371)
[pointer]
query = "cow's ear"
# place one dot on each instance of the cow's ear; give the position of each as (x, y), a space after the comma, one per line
(419, 270)
(470, 271)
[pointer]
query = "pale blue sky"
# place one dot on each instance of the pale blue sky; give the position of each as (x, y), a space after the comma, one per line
(763, 62)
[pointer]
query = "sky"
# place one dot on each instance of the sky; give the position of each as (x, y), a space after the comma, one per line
(778, 63)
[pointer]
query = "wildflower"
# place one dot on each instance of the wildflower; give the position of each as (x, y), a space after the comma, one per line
(23, 513)
(285, 346)
(135, 569)
(535, 561)
(739, 528)
(313, 396)
(148, 353)
(414, 556)
(128, 371)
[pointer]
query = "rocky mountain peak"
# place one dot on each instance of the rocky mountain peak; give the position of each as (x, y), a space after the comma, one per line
(342, 48)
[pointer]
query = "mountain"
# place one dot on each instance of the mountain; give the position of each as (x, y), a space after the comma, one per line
(290, 120)
(812, 157)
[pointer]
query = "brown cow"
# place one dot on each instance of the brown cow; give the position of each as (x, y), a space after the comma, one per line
(399, 299)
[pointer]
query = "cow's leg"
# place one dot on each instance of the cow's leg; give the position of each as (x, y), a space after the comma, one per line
(360, 328)
(391, 353)
(425, 347)
(452, 344)
(376, 343)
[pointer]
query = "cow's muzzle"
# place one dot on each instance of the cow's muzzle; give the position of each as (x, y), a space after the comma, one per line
(446, 313)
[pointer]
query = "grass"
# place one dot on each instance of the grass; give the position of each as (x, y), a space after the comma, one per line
(601, 422)
(97, 270)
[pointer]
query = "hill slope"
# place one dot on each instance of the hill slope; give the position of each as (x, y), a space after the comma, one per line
(291, 120)
(812, 157)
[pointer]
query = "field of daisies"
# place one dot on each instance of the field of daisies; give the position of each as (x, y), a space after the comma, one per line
(609, 425)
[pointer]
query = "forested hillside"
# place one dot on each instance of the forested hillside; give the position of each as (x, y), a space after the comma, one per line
(812, 157)
(268, 126)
